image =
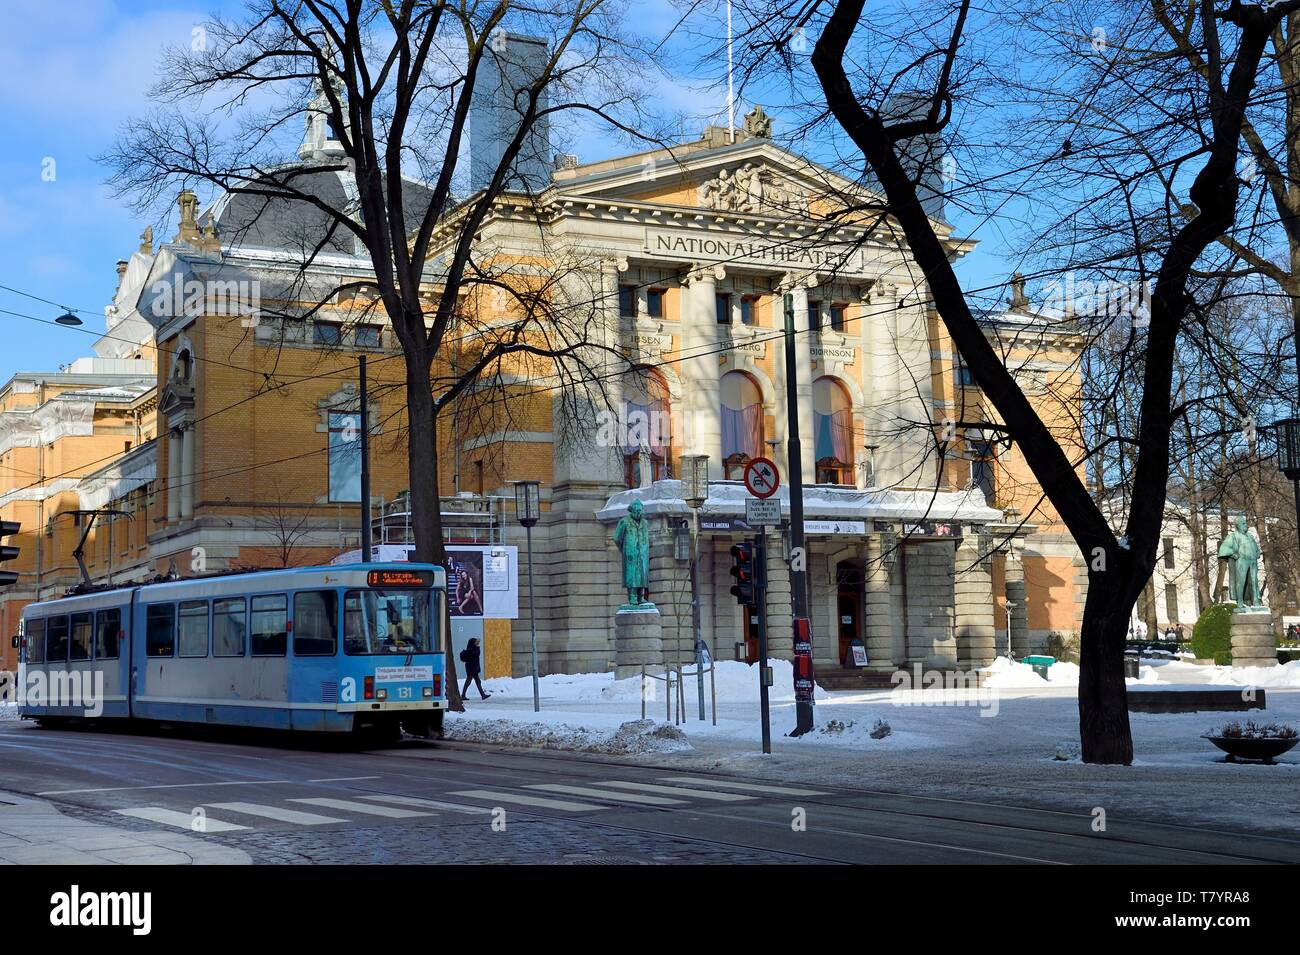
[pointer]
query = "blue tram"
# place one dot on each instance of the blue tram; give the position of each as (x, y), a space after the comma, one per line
(336, 649)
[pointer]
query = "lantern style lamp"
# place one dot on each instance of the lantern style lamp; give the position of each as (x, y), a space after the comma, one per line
(528, 502)
(695, 479)
(1288, 447)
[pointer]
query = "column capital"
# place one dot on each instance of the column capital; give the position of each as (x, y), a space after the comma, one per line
(704, 272)
(794, 281)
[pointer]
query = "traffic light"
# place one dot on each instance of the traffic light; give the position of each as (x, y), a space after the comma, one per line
(8, 552)
(744, 569)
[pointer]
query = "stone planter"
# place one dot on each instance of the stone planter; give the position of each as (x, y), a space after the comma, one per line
(1262, 749)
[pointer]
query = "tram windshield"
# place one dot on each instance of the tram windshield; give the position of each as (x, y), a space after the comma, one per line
(387, 621)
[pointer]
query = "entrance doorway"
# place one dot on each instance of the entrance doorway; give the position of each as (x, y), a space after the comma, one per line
(848, 608)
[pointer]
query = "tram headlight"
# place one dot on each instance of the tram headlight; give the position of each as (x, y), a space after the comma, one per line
(381, 694)
(428, 692)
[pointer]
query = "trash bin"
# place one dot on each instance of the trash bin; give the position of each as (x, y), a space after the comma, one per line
(1131, 664)
(1039, 663)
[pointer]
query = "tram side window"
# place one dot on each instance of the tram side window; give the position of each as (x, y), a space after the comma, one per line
(270, 628)
(108, 628)
(56, 639)
(82, 633)
(229, 626)
(194, 628)
(315, 623)
(35, 640)
(160, 630)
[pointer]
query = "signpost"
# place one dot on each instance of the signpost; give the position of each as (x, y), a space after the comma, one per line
(762, 478)
(762, 512)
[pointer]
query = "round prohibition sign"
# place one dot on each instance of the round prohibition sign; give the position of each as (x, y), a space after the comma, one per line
(761, 477)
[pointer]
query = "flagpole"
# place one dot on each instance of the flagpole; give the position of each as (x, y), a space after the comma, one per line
(731, 93)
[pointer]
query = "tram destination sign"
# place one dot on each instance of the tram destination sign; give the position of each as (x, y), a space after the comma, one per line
(412, 579)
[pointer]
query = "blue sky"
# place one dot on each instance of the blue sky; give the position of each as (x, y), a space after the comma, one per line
(72, 71)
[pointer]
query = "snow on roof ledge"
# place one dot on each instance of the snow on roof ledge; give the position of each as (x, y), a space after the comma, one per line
(663, 498)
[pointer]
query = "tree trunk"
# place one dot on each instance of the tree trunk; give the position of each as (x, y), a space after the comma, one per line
(1103, 701)
(426, 508)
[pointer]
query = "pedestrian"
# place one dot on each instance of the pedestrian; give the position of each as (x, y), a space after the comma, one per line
(470, 657)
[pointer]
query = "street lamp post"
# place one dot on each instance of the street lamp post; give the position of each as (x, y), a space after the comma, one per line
(695, 491)
(528, 509)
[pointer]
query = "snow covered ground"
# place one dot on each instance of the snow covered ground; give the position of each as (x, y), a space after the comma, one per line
(1014, 739)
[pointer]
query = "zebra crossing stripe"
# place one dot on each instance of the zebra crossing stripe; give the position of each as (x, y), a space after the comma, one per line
(348, 805)
(675, 791)
(616, 797)
(426, 803)
(277, 813)
(746, 787)
(561, 804)
(181, 820)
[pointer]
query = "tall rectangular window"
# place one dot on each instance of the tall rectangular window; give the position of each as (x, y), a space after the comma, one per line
(627, 301)
(315, 623)
(327, 333)
(747, 310)
(56, 639)
(654, 303)
(82, 636)
(229, 627)
(108, 632)
(1171, 602)
(345, 457)
(160, 630)
(814, 316)
(34, 640)
(722, 307)
(964, 377)
(194, 628)
(270, 625)
(837, 318)
(1169, 553)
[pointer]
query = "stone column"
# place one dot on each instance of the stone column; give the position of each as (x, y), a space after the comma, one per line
(187, 472)
(797, 287)
(1015, 588)
(976, 639)
(173, 476)
(877, 628)
(701, 400)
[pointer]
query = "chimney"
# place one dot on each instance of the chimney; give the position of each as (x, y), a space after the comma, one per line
(510, 65)
(121, 273)
(921, 156)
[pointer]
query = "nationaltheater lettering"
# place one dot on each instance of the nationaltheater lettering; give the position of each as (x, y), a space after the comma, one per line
(837, 258)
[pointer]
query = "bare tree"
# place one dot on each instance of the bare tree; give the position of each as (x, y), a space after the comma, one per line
(395, 81)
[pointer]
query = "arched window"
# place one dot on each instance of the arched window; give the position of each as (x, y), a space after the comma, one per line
(645, 428)
(833, 432)
(742, 423)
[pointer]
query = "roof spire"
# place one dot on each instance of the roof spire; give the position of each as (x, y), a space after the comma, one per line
(320, 140)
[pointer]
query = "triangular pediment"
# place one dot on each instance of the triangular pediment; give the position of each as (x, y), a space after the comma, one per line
(751, 176)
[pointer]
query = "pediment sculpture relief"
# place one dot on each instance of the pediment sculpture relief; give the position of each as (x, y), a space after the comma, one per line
(755, 189)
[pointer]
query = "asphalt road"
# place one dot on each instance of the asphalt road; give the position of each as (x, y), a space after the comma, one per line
(419, 802)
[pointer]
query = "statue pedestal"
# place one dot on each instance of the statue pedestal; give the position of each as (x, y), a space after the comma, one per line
(1253, 641)
(638, 640)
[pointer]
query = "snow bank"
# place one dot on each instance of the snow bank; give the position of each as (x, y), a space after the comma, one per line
(736, 682)
(1004, 674)
(1284, 674)
(635, 737)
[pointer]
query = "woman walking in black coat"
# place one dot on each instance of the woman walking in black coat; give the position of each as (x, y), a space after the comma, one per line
(470, 657)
